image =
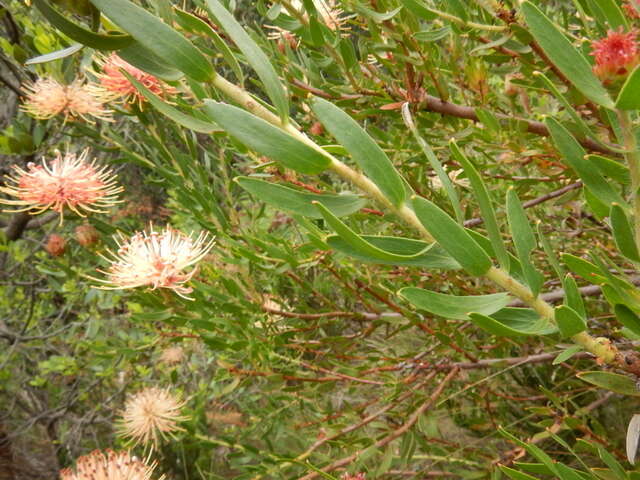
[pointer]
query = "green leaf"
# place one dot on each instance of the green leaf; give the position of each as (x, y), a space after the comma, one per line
(57, 55)
(513, 322)
(188, 121)
(584, 268)
(533, 450)
(552, 258)
(81, 34)
(486, 207)
(611, 168)
(564, 55)
(452, 237)
(364, 150)
(628, 318)
(569, 321)
(623, 233)
(194, 24)
(611, 381)
(158, 37)
(454, 306)
(447, 184)
(629, 96)
(417, 253)
(267, 139)
(254, 55)
(572, 296)
(567, 354)
(359, 243)
(574, 154)
(523, 239)
(301, 203)
(514, 474)
(608, 13)
(142, 58)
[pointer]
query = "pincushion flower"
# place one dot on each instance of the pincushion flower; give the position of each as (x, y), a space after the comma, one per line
(109, 465)
(615, 55)
(69, 181)
(113, 80)
(149, 415)
(156, 260)
(46, 98)
(172, 355)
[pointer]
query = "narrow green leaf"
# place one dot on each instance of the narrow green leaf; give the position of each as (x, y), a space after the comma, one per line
(454, 306)
(192, 23)
(623, 233)
(144, 59)
(572, 296)
(574, 154)
(584, 268)
(452, 237)
(612, 463)
(267, 139)
(420, 254)
(447, 184)
(81, 34)
(552, 258)
(186, 120)
(254, 55)
(158, 37)
(611, 168)
(628, 318)
(608, 13)
(364, 150)
(569, 321)
(611, 381)
(513, 322)
(567, 354)
(301, 203)
(533, 450)
(564, 55)
(514, 474)
(486, 207)
(523, 239)
(359, 243)
(57, 55)
(629, 98)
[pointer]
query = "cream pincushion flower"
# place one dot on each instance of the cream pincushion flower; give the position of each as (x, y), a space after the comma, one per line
(109, 465)
(172, 355)
(156, 259)
(149, 415)
(68, 181)
(46, 98)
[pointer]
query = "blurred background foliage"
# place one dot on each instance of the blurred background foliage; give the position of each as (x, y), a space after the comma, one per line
(294, 356)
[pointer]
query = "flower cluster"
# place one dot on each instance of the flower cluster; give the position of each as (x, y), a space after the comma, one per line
(114, 81)
(69, 181)
(109, 465)
(156, 259)
(149, 415)
(46, 98)
(615, 55)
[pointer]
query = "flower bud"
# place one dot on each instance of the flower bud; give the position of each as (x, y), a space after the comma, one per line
(56, 245)
(87, 235)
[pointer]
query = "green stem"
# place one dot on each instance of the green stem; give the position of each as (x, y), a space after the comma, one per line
(605, 353)
(633, 161)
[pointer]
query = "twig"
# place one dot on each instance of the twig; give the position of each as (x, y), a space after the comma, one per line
(395, 434)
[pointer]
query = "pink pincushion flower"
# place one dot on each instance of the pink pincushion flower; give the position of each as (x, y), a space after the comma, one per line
(113, 80)
(156, 259)
(109, 465)
(615, 55)
(67, 181)
(46, 98)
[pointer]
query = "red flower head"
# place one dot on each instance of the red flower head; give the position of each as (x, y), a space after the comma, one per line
(113, 80)
(616, 55)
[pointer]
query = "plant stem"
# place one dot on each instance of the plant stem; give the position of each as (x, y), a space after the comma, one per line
(633, 161)
(604, 351)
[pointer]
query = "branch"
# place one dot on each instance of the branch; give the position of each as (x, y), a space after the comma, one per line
(393, 435)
